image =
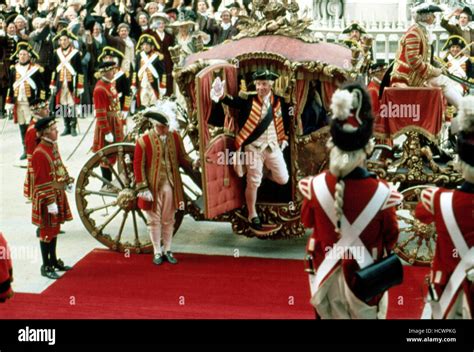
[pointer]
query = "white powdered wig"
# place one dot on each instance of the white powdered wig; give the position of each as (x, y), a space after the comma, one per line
(466, 114)
(167, 108)
(341, 104)
(342, 163)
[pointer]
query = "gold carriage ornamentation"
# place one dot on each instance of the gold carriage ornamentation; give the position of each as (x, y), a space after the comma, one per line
(310, 71)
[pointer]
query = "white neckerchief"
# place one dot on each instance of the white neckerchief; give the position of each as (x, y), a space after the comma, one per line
(467, 27)
(428, 29)
(226, 26)
(163, 138)
(98, 39)
(14, 37)
(161, 35)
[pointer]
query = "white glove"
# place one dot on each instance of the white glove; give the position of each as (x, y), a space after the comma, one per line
(146, 195)
(470, 275)
(53, 209)
(437, 72)
(217, 89)
(70, 188)
(162, 92)
(52, 89)
(9, 107)
(284, 144)
(124, 115)
(196, 164)
(80, 92)
(109, 138)
(133, 89)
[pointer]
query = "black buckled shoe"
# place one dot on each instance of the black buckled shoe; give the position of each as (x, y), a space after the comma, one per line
(73, 131)
(157, 259)
(256, 224)
(59, 266)
(23, 156)
(67, 131)
(49, 272)
(170, 258)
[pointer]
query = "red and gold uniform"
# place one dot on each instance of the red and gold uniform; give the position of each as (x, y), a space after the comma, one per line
(108, 114)
(444, 262)
(152, 167)
(31, 141)
(412, 60)
(379, 236)
(6, 271)
(50, 181)
(373, 88)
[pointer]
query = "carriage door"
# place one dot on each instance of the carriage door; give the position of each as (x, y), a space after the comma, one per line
(222, 188)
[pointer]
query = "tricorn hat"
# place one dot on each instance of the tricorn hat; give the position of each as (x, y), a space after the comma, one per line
(455, 40)
(147, 38)
(110, 51)
(352, 121)
(43, 124)
(265, 74)
(354, 26)
(426, 8)
(65, 32)
(24, 46)
(38, 104)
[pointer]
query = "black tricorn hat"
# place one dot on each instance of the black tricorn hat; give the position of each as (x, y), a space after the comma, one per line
(38, 104)
(106, 66)
(64, 32)
(427, 8)
(264, 75)
(110, 51)
(43, 124)
(455, 40)
(24, 46)
(153, 115)
(354, 26)
(352, 122)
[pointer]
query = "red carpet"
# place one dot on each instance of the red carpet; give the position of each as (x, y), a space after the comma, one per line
(107, 285)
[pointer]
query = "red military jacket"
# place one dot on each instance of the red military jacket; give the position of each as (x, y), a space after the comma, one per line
(379, 236)
(147, 162)
(6, 270)
(30, 145)
(50, 180)
(412, 60)
(107, 113)
(444, 262)
(373, 89)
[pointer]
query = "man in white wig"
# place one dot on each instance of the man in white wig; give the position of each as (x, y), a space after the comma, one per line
(158, 155)
(352, 214)
(452, 270)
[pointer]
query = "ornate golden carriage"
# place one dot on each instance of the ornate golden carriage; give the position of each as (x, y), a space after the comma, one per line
(309, 70)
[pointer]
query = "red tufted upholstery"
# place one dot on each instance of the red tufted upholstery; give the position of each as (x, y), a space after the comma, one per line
(223, 188)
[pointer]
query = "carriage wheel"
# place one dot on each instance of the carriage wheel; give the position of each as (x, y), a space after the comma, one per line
(417, 241)
(110, 212)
